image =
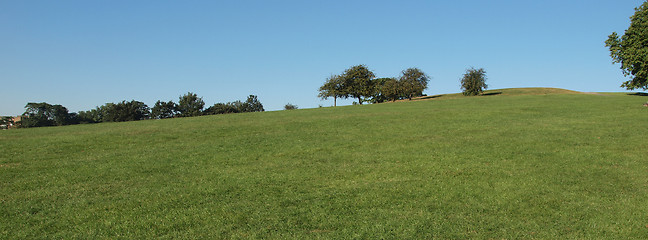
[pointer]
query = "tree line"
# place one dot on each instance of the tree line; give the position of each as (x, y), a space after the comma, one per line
(189, 105)
(360, 83)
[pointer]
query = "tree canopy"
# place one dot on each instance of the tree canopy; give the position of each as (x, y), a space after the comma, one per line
(361, 83)
(190, 105)
(163, 110)
(631, 49)
(473, 82)
(357, 82)
(333, 87)
(413, 82)
(44, 114)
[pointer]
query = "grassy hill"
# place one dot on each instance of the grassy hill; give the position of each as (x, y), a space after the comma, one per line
(509, 165)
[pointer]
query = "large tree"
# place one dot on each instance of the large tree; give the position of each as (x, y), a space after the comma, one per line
(190, 105)
(413, 82)
(386, 89)
(44, 114)
(333, 87)
(163, 110)
(357, 82)
(631, 49)
(392, 89)
(252, 104)
(473, 82)
(125, 111)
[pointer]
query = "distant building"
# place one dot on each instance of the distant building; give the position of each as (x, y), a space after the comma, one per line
(12, 123)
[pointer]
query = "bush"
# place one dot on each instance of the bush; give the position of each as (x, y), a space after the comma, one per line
(290, 107)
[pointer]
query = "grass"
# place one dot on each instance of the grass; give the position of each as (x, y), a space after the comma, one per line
(499, 166)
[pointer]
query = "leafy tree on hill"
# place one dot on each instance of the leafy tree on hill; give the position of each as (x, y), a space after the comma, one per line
(44, 114)
(413, 82)
(392, 89)
(252, 104)
(385, 89)
(357, 82)
(219, 108)
(333, 87)
(91, 116)
(163, 110)
(190, 105)
(125, 111)
(631, 49)
(473, 82)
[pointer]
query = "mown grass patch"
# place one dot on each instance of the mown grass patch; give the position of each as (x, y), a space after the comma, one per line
(498, 166)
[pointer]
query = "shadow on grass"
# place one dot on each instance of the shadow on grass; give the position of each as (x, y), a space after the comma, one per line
(643, 94)
(491, 93)
(431, 97)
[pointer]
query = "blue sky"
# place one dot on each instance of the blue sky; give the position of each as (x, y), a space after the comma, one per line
(83, 54)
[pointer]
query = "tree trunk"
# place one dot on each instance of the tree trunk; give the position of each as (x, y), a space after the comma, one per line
(334, 101)
(359, 101)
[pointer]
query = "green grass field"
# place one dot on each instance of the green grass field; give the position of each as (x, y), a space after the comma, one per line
(510, 165)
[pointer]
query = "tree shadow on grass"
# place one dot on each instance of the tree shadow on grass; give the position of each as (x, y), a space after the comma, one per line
(491, 93)
(431, 97)
(642, 94)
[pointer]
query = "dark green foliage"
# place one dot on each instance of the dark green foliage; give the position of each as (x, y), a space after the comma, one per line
(44, 114)
(252, 104)
(163, 110)
(333, 87)
(386, 89)
(190, 105)
(290, 106)
(91, 116)
(221, 108)
(473, 82)
(412, 82)
(357, 82)
(125, 111)
(631, 49)
(392, 89)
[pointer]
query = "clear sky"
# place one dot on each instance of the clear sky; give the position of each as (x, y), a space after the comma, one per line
(83, 54)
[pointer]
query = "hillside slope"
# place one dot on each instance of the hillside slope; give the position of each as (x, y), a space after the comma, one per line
(505, 92)
(524, 166)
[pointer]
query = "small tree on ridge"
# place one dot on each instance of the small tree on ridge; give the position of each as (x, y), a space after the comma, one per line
(473, 82)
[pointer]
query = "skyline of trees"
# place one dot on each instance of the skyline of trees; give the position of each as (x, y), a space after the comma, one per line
(189, 105)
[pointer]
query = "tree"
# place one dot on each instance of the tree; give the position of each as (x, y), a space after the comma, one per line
(44, 114)
(386, 89)
(333, 87)
(413, 82)
(163, 110)
(392, 89)
(125, 111)
(290, 107)
(91, 116)
(631, 49)
(220, 108)
(357, 82)
(252, 104)
(190, 105)
(473, 82)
